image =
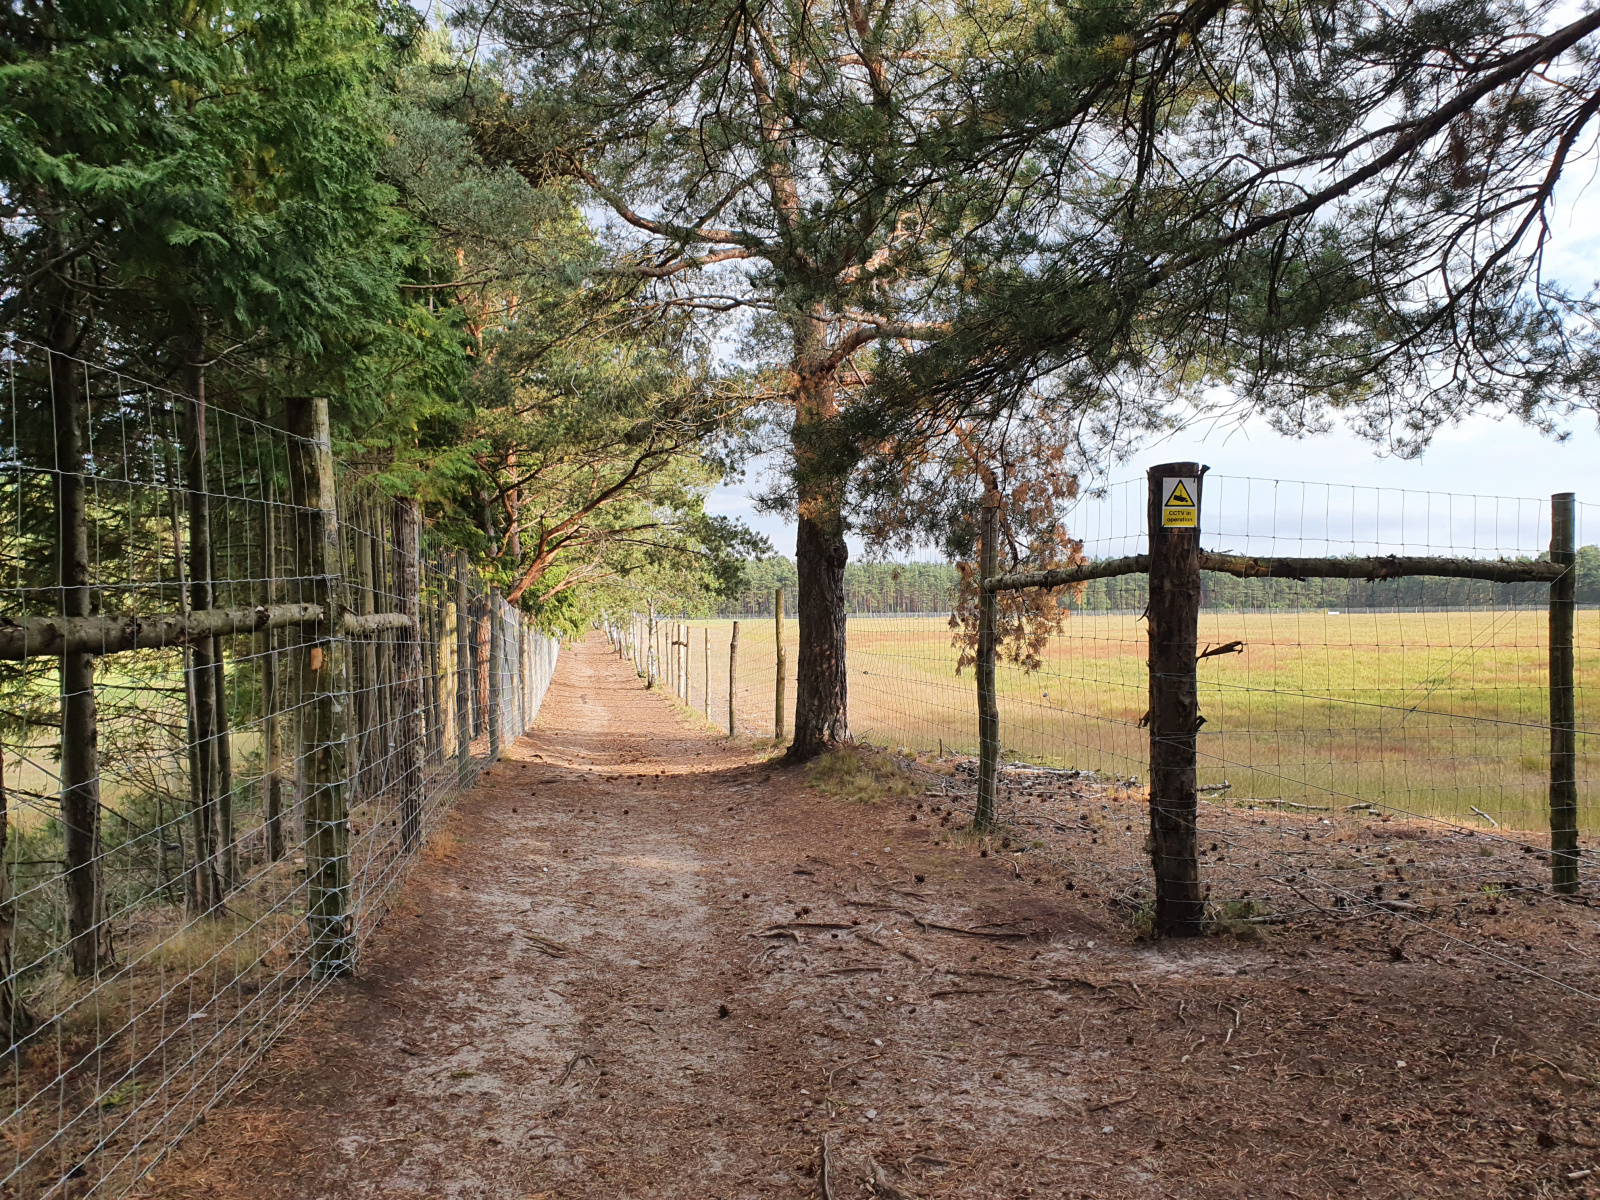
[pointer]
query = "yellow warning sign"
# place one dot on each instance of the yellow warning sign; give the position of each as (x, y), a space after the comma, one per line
(1178, 509)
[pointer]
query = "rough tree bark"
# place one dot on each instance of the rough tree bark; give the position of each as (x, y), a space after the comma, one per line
(80, 760)
(208, 889)
(820, 696)
(324, 695)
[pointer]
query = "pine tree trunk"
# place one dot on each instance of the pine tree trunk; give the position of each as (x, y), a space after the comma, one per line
(203, 677)
(820, 697)
(80, 767)
(324, 698)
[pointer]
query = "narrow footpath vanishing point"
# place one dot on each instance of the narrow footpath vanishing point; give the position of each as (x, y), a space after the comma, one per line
(641, 961)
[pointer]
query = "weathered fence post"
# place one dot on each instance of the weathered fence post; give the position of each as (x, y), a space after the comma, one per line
(705, 665)
(435, 670)
(650, 652)
(408, 668)
(1563, 716)
(733, 675)
(80, 760)
(272, 733)
(463, 676)
(777, 691)
(369, 747)
(988, 704)
(1174, 716)
(497, 641)
(325, 694)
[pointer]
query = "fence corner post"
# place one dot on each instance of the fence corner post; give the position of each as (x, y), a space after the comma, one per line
(983, 819)
(1563, 717)
(777, 692)
(1174, 715)
(325, 695)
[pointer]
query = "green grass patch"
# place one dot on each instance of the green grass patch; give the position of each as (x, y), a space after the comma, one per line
(861, 774)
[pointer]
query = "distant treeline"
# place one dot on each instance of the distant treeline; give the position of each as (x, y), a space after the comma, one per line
(930, 587)
(868, 587)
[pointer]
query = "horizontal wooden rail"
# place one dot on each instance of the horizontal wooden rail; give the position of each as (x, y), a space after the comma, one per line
(51, 637)
(1104, 568)
(1246, 566)
(1388, 567)
(364, 626)
(38, 637)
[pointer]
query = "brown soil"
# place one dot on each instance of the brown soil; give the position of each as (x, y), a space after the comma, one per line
(644, 962)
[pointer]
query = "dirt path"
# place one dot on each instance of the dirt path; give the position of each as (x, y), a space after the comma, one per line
(641, 962)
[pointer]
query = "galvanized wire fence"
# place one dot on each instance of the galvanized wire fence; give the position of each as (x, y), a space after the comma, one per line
(1367, 745)
(238, 686)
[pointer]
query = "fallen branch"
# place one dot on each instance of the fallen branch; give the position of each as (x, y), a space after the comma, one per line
(1112, 1103)
(884, 1186)
(786, 930)
(932, 927)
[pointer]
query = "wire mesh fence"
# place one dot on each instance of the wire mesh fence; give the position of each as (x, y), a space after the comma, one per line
(237, 688)
(1366, 744)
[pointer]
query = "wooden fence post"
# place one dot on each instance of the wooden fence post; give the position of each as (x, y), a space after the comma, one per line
(435, 668)
(370, 750)
(497, 642)
(325, 693)
(1563, 716)
(705, 665)
(463, 676)
(733, 675)
(777, 702)
(1174, 716)
(983, 818)
(408, 668)
(272, 731)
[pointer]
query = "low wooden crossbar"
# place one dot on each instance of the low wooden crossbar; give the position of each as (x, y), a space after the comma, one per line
(1246, 566)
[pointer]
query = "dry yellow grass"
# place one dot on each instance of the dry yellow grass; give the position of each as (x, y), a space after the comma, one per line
(1432, 713)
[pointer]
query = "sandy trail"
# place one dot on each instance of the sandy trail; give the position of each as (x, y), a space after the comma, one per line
(583, 992)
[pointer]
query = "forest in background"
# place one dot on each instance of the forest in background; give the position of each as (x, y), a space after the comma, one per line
(934, 588)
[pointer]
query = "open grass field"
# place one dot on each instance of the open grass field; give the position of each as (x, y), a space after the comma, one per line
(1436, 714)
